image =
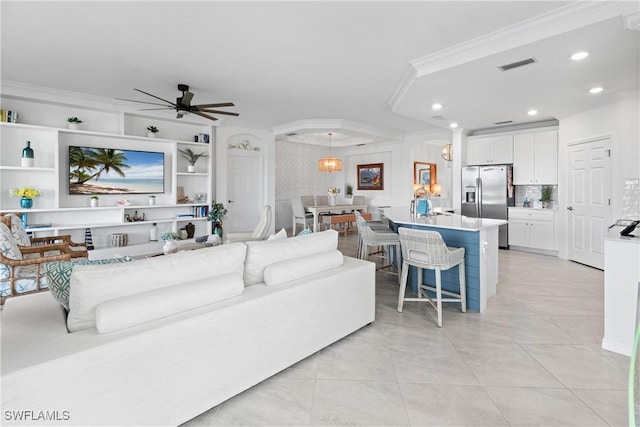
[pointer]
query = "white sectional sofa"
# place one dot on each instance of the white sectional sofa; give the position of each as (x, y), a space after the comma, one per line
(151, 347)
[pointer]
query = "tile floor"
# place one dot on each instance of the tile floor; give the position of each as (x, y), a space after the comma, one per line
(532, 359)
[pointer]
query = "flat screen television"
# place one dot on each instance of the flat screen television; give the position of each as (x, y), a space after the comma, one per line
(112, 171)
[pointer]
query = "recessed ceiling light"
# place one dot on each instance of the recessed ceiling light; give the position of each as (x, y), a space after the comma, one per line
(532, 112)
(436, 106)
(595, 90)
(579, 55)
(453, 125)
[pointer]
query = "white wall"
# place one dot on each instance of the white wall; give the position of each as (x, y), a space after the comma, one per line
(619, 120)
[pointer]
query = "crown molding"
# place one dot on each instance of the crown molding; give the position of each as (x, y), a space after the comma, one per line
(363, 133)
(596, 103)
(564, 19)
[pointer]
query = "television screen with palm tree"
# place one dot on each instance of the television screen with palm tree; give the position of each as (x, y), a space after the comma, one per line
(111, 171)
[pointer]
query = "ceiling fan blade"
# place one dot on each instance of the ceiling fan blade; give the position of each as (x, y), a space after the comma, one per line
(205, 115)
(185, 101)
(141, 102)
(219, 112)
(223, 104)
(157, 97)
(151, 109)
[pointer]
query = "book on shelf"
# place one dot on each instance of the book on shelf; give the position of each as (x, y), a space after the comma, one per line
(44, 225)
(184, 215)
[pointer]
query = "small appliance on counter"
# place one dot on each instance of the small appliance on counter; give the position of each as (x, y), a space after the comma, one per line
(627, 227)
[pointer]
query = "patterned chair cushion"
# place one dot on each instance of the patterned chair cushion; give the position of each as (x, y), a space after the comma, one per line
(18, 232)
(58, 275)
(25, 276)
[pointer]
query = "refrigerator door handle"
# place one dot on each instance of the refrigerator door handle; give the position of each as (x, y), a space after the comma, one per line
(479, 198)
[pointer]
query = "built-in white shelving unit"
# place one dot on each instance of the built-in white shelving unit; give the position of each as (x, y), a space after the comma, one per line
(65, 213)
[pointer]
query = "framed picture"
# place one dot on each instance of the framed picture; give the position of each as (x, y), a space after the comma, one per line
(371, 176)
(424, 174)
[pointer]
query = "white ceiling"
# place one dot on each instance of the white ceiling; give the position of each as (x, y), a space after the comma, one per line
(368, 71)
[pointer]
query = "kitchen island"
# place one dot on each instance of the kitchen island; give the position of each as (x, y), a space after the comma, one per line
(479, 237)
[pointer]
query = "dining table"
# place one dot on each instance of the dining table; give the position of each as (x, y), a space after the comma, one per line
(316, 210)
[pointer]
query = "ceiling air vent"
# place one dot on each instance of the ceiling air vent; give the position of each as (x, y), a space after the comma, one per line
(291, 134)
(503, 123)
(518, 64)
(438, 118)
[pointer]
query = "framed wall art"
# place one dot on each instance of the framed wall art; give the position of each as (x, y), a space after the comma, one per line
(424, 174)
(371, 176)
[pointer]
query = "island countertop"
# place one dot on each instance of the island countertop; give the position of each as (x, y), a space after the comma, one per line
(403, 215)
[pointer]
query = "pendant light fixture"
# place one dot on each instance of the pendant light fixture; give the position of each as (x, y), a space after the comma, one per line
(330, 164)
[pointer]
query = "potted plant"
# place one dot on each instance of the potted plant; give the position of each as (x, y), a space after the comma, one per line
(74, 123)
(348, 190)
(333, 193)
(192, 158)
(26, 195)
(152, 200)
(94, 201)
(545, 196)
(216, 215)
(152, 131)
(170, 245)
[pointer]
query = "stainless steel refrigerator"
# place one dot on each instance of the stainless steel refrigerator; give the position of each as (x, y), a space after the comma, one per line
(487, 192)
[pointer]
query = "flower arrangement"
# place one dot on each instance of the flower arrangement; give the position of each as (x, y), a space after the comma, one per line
(26, 192)
(169, 235)
(217, 212)
(333, 191)
(153, 129)
(74, 120)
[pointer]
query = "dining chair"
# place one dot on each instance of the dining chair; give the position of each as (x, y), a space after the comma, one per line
(299, 215)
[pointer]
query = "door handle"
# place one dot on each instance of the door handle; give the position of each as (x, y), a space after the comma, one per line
(230, 201)
(570, 208)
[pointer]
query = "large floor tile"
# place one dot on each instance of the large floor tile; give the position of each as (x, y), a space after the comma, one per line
(576, 366)
(358, 403)
(352, 359)
(272, 402)
(450, 405)
(533, 330)
(610, 405)
(543, 407)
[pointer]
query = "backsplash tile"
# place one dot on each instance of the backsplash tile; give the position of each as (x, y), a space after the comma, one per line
(533, 193)
(631, 199)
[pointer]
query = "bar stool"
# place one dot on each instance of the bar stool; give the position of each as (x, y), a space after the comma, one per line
(425, 249)
(387, 240)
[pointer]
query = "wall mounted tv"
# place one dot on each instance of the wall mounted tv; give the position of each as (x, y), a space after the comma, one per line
(111, 171)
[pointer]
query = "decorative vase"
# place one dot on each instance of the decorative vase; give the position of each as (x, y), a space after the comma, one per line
(191, 168)
(169, 247)
(153, 233)
(73, 125)
(151, 134)
(546, 204)
(26, 202)
(27, 156)
(94, 203)
(191, 230)
(332, 200)
(152, 201)
(217, 229)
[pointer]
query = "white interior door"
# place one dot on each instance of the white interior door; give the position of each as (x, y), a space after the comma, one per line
(589, 201)
(245, 191)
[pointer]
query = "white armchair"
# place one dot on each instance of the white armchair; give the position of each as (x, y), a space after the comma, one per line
(261, 231)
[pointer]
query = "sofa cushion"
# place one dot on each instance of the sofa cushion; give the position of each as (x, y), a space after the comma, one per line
(297, 268)
(95, 284)
(59, 276)
(125, 312)
(263, 253)
(280, 235)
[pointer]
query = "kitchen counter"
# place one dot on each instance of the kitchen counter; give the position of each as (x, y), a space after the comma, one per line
(442, 220)
(479, 237)
(621, 281)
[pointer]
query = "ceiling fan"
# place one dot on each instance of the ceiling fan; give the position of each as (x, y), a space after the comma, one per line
(183, 105)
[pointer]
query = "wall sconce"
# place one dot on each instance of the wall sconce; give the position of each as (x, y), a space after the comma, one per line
(447, 152)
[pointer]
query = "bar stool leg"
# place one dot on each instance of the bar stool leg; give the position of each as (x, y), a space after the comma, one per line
(463, 286)
(420, 281)
(439, 295)
(403, 285)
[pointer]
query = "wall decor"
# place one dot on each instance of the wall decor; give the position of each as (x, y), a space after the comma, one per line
(371, 176)
(425, 174)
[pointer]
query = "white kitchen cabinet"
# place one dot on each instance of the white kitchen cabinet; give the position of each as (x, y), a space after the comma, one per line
(535, 158)
(532, 228)
(490, 150)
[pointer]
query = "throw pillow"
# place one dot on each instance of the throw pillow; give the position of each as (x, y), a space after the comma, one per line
(280, 235)
(59, 276)
(304, 232)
